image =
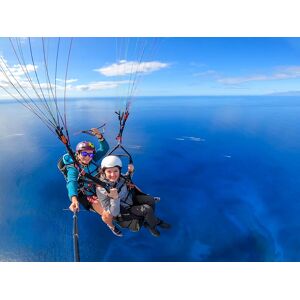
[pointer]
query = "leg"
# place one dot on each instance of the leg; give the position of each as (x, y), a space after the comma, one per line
(147, 212)
(107, 218)
(149, 200)
(145, 199)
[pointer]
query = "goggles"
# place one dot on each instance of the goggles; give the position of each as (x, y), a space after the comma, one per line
(85, 154)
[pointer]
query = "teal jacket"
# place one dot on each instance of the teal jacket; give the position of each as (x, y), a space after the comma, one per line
(92, 169)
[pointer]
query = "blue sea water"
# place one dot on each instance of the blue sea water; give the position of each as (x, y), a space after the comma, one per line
(226, 169)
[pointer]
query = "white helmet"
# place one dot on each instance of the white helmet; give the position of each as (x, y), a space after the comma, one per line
(111, 161)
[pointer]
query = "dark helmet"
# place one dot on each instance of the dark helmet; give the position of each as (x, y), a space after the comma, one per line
(82, 146)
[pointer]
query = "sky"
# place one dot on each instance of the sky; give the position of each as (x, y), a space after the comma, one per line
(164, 66)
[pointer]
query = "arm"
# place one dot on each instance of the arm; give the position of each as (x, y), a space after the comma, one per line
(72, 181)
(115, 207)
(74, 206)
(103, 145)
(108, 203)
(129, 174)
(102, 150)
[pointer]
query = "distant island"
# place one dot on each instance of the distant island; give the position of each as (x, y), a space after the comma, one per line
(289, 93)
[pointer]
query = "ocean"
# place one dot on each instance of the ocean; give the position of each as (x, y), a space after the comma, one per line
(226, 170)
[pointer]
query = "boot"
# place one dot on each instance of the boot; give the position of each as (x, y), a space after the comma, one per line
(154, 231)
(164, 225)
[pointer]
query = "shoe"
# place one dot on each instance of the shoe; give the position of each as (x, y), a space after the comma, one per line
(116, 231)
(156, 199)
(154, 231)
(164, 225)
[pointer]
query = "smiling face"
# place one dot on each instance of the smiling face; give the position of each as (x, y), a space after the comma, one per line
(112, 174)
(85, 157)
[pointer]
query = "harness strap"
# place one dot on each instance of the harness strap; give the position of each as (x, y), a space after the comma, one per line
(120, 146)
(122, 120)
(127, 179)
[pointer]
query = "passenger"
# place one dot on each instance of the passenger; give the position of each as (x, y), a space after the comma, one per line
(80, 189)
(123, 199)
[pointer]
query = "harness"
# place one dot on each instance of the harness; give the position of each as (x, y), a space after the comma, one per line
(82, 178)
(127, 219)
(84, 184)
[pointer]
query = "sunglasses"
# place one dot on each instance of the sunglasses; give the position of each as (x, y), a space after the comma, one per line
(85, 154)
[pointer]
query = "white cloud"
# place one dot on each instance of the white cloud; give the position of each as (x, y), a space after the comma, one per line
(17, 75)
(99, 85)
(238, 80)
(207, 73)
(280, 73)
(2, 137)
(14, 74)
(16, 70)
(197, 64)
(68, 81)
(124, 67)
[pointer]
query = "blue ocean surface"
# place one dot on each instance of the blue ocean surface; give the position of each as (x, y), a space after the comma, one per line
(226, 169)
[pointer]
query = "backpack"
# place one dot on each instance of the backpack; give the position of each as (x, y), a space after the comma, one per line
(62, 167)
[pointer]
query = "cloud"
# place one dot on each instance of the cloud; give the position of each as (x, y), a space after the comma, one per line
(197, 64)
(15, 74)
(68, 81)
(279, 74)
(19, 77)
(11, 136)
(238, 80)
(99, 85)
(207, 73)
(16, 71)
(124, 67)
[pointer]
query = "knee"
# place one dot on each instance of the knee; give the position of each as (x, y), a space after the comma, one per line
(106, 216)
(147, 208)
